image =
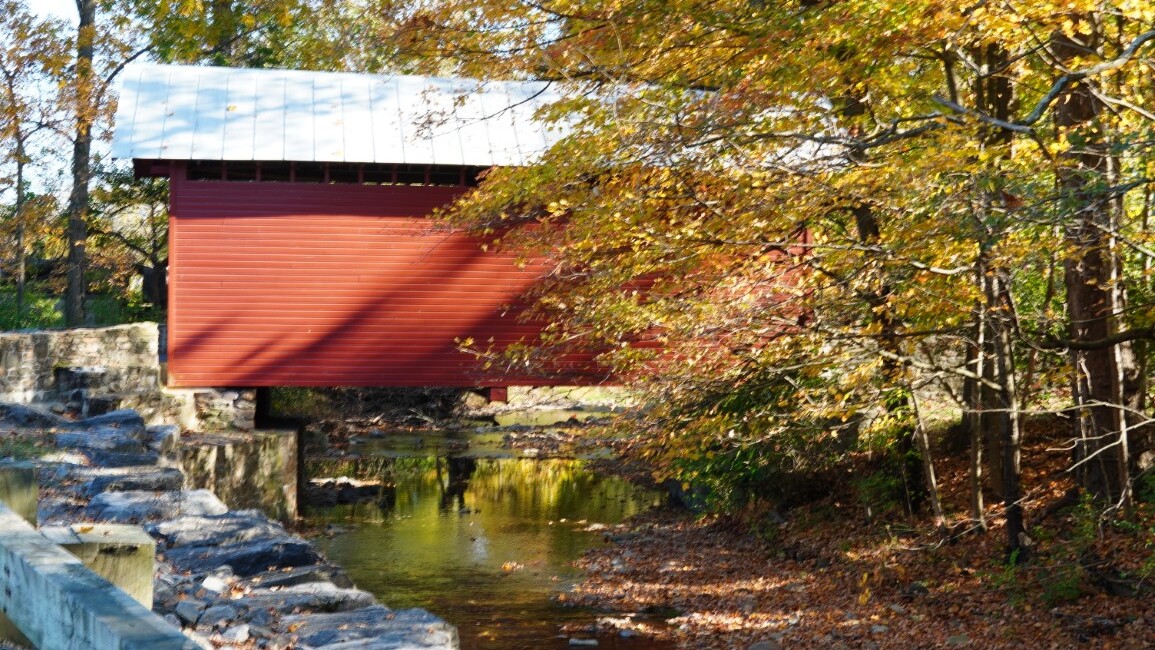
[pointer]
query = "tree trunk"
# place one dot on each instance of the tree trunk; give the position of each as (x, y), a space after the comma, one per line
(1002, 327)
(974, 417)
(869, 232)
(81, 166)
(1106, 378)
(993, 96)
(21, 254)
(923, 440)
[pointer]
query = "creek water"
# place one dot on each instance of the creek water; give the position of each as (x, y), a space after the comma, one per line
(477, 535)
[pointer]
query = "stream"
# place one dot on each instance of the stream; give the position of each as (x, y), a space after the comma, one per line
(480, 535)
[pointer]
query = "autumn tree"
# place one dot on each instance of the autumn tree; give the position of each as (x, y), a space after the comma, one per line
(111, 34)
(130, 222)
(818, 208)
(28, 112)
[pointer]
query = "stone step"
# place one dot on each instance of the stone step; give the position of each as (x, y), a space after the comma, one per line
(245, 558)
(136, 507)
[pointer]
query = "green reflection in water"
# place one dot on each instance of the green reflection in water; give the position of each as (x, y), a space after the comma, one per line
(484, 543)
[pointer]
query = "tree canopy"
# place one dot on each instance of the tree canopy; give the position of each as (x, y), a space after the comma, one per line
(823, 209)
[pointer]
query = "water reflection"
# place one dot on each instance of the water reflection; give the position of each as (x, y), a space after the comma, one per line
(460, 469)
(485, 543)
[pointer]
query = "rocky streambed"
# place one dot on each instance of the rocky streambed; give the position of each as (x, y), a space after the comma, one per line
(227, 579)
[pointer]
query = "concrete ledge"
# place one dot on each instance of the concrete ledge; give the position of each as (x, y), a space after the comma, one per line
(122, 555)
(19, 488)
(61, 605)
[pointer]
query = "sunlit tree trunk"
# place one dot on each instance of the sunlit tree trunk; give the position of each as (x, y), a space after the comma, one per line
(922, 437)
(975, 405)
(1002, 324)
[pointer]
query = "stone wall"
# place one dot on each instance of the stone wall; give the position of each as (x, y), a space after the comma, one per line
(122, 358)
(256, 469)
(89, 371)
(225, 409)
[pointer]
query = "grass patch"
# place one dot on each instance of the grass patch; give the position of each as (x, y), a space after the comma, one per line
(22, 447)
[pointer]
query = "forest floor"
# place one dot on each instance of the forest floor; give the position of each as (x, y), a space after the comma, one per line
(825, 576)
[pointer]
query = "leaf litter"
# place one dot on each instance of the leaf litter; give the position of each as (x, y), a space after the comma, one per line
(828, 577)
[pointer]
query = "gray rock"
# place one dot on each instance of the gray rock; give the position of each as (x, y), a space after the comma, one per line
(229, 528)
(190, 611)
(164, 597)
(316, 597)
(246, 558)
(373, 627)
(215, 584)
(122, 459)
(201, 641)
(128, 479)
(135, 507)
(63, 457)
(218, 615)
(125, 419)
(300, 576)
(879, 629)
(259, 620)
(260, 631)
(236, 634)
(103, 438)
(57, 510)
(162, 438)
(20, 415)
(958, 640)
(765, 644)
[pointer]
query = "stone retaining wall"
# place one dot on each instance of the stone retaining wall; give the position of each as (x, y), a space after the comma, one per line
(124, 357)
(251, 470)
(90, 371)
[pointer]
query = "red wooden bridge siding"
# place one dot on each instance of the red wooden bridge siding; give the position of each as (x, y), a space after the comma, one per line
(276, 284)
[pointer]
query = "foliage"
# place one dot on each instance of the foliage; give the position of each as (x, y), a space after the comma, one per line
(39, 312)
(302, 402)
(21, 447)
(842, 196)
(79, 68)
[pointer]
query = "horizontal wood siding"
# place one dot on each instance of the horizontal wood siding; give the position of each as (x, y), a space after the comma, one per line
(276, 284)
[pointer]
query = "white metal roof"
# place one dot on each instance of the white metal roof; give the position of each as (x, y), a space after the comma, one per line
(207, 113)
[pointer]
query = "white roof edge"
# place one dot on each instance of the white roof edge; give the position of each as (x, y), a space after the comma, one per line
(162, 115)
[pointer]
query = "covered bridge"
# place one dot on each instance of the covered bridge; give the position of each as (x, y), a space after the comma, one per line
(300, 252)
